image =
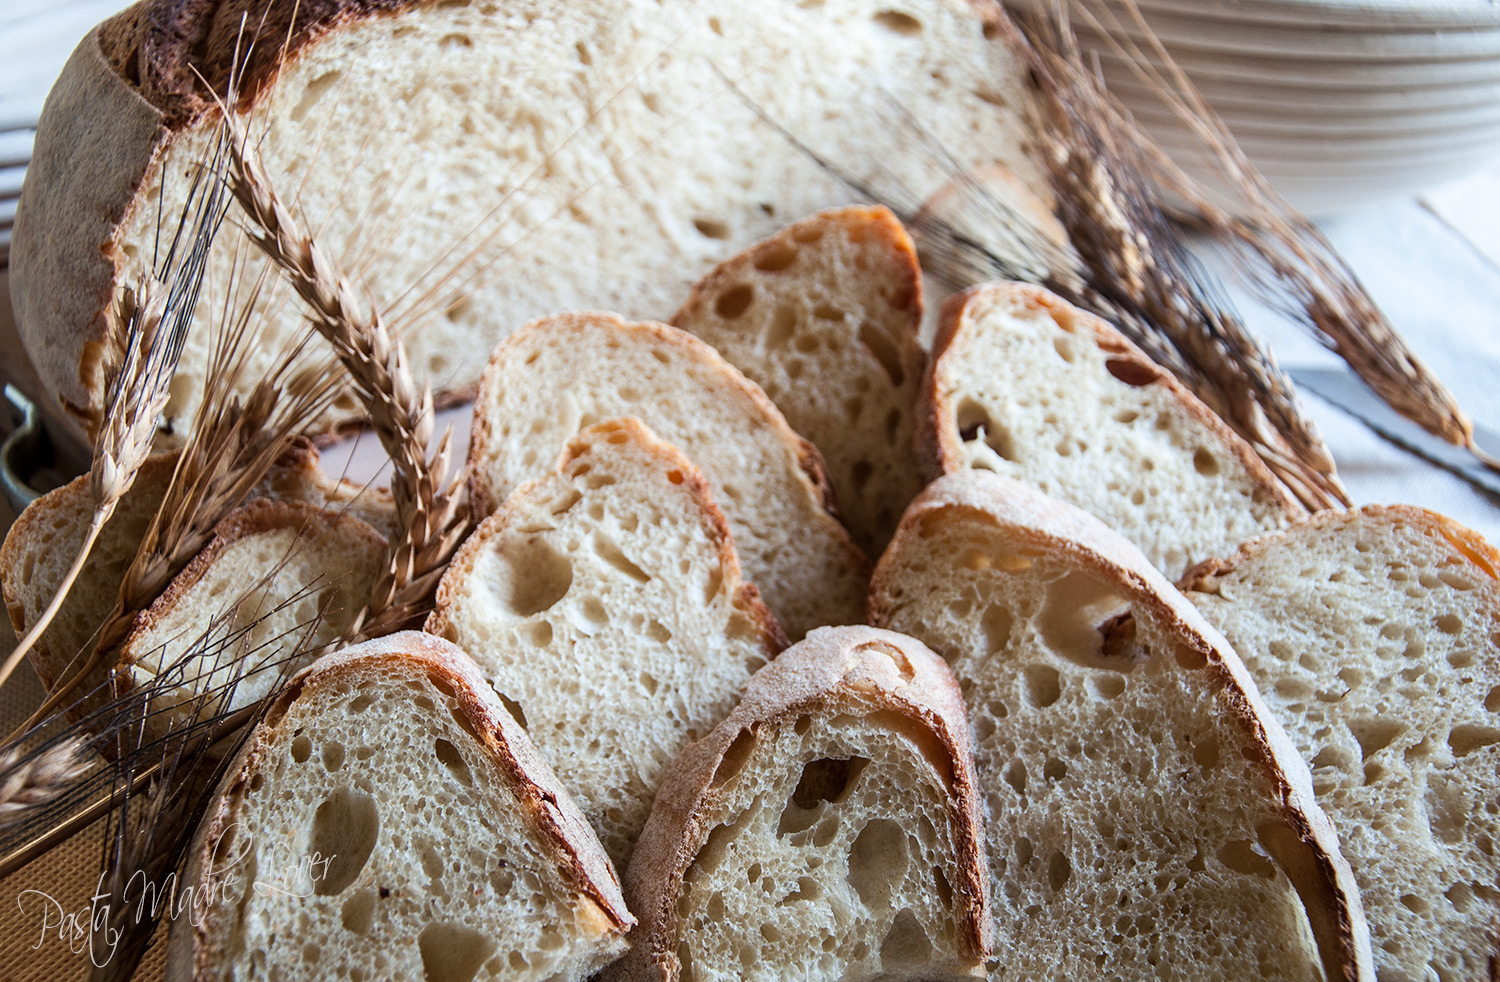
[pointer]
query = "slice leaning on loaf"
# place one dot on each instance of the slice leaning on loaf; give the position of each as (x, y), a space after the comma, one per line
(1147, 817)
(559, 374)
(619, 172)
(828, 829)
(604, 604)
(277, 582)
(824, 317)
(389, 820)
(1375, 637)
(1024, 384)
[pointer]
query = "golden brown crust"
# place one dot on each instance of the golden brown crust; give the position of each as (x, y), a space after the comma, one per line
(747, 596)
(848, 667)
(1325, 880)
(938, 446)
(541, 798)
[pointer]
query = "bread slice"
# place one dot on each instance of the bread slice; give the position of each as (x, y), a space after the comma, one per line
(1026, 385)
(276, 584)
(824, 316)
(828, 829)
(619, 172)
(1147, 816)
(1375, 638)
(389, 820)
(559, 374)
(45, 538)
(604, 603)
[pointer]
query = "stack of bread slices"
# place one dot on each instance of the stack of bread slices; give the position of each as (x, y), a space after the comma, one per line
(789, 647)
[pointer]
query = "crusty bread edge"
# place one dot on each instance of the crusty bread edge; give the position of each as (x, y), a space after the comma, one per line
(542, 799)
(808, 675)
(1329, 891)
(938, 447)
(745, 595)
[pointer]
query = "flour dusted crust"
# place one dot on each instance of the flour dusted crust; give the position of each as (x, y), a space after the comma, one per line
(913, 588)
(1027, 385)
(417, 666)
(1375, 636)
(656, 169)
(843, 673)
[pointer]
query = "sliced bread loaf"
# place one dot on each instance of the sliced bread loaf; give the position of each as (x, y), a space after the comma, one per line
(559, 374)
(828, 829)
(45, 538)
(278, 581)
(824, 316)
(604, 603)
(1024, 384)
(579, 153)
(1375, 637)
(389, 820)
(1147, 817)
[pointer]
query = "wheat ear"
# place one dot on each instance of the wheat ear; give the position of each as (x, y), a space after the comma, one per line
(30, 780)
(432, 514)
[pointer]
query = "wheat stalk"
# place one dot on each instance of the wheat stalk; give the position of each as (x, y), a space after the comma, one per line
(432, 514)
(30, 780)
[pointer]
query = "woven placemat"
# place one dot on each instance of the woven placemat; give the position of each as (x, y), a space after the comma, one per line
(36, 897)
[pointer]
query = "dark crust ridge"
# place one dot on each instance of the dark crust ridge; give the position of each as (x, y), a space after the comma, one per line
(161, 47)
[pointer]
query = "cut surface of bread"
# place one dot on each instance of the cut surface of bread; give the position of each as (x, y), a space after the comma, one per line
(1147, 818)
(583, 153)
(276, 583)
(1375, 637)
(1026, 385)
(45, 538)
(828, 829)
(604, 604)
(824, 316)
(389, 820)
(559, 374)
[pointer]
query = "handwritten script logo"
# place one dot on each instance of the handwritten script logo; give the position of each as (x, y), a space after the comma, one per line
(96, 928)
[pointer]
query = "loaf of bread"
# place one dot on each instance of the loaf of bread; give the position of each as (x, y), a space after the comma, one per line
(828, 829)
(604, 604)
(277, 583)
(389, 820)
(42, 542)
(499, 161)
(1026, 385)
(1147, 817)
(559, 374)
(824, 316)
(1374, 635)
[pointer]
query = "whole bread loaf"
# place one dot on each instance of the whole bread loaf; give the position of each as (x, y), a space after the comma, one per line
(1147, 817)
(1374, 635)
(389, 820)
(828, 829)
(566, 154)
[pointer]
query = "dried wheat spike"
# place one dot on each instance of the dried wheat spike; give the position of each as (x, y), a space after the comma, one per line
(31, 780)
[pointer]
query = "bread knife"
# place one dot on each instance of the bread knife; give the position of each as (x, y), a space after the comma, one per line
(1343, 390)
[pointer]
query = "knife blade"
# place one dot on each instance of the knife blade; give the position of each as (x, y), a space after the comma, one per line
(1345, 391)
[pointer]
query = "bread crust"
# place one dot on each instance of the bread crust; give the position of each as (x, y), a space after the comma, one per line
(1328, 889)
(747, 596)
(827, 667)
(544, 802)
(938, 447)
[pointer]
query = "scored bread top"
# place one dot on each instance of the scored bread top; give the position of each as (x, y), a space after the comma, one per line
(278, 579)
(559, 374)
(824, 317)
(485, 773)
(841, 694)
(624, 128)
(1375, 637)
(1133, 774)
(1024, 384)
(604, 603)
